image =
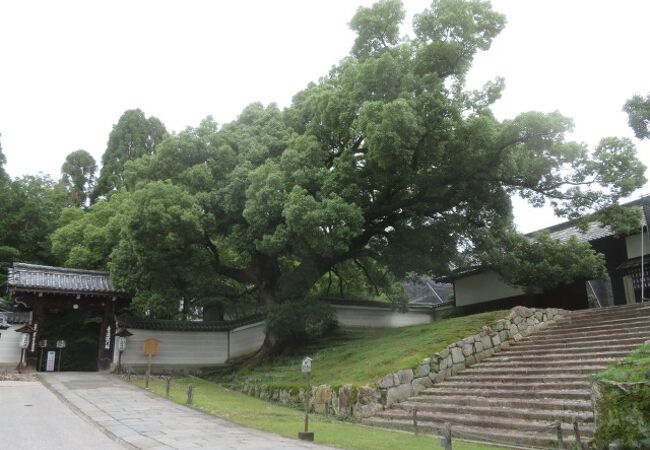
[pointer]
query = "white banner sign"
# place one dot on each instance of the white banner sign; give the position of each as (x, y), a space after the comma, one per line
(107, 338)
(51, 358)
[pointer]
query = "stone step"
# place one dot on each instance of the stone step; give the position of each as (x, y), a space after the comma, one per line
(574, 394)
(523, 357)
(482, 420)
(566, 362)
(551, 339)
(543, 371)
(550, 379)
(609, 310)
(598, 325)
(565, 351)
(543, 439)
(637, 324)
(582, 406)
(597, 316)
(550, 415)
(575, 332)
(600, 343)
(514, 385)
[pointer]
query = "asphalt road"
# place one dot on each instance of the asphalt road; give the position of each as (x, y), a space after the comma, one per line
(33, 418)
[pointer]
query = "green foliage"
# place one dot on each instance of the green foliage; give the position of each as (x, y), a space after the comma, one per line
(388, 161)
(78, 177)
(251, 412)
(29, 208)
(298, 321)
(132, 137)
(638, 113)
(543, 261)
(624, 404)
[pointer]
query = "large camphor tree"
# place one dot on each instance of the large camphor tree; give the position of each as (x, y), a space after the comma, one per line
(387, 160)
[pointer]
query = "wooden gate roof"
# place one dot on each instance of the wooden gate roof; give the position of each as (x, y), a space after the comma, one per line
(60, 280)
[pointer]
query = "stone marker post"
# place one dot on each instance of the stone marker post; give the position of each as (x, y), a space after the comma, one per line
(306, 369)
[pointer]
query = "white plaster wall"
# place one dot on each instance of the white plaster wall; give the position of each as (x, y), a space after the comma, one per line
(483, 287)
(633, 245)
(372, 317)
(247, 339)
(9, 349)
(177, 348)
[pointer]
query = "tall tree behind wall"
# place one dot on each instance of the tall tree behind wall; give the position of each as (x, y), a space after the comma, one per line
(132, 137)
(78, 177)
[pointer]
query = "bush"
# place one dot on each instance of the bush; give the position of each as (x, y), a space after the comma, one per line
(622, 401)
(296, 321)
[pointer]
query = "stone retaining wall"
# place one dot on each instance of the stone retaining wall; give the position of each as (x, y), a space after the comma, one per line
(396, 387)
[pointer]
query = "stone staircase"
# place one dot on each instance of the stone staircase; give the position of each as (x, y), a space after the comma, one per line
(520, 394)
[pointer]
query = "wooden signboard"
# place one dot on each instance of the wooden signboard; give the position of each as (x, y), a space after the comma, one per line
(150, 347)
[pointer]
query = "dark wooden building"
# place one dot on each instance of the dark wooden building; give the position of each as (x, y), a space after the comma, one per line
(79, 304)
(481, 288)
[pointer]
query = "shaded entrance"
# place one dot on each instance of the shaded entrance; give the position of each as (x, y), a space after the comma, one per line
(71, 305)
(80, 330)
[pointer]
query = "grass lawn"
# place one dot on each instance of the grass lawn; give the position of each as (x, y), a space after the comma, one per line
(362, 356)
(242, 409)
(634, 368)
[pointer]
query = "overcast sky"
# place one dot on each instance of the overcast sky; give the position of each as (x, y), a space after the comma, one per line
(69, 69)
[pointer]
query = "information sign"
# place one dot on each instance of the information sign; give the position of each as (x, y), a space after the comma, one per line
(51, 358)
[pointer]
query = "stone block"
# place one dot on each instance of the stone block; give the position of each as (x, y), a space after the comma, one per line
(422, 370)
(387, 381)
(478, 346)
(367, 402)
(322, 398)
(504, 335)
(457, 355)
(398, 394)
(517, 320)
(486, 341)
(468, 340)
(517, 337)
(345, 400)
(444, 353)
(470, 360)
(420, 384)
(499, 325)
(468, 349)
(444, 364)
(496, 340)
(405, 376)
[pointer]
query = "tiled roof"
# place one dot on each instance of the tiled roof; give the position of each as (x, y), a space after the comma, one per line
(566, 230)
(31, 277)
(184, 325)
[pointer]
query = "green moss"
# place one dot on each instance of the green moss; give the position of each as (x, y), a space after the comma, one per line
(361, 356)
(624, 403)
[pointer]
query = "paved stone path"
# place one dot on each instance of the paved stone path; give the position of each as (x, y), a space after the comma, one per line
(33, 418)
(143, 420)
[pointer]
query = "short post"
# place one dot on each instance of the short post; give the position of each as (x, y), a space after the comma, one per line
(168, 382)
(41, 344)
(60, 344)
(445, 436)
(190, 394)
(576, 431)
(148, 374)
(560, 438)
(306, 369)
(415, 421)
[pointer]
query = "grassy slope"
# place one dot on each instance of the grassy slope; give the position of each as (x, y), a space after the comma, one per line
(248, 411)
(634, 368)
(362, 356)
